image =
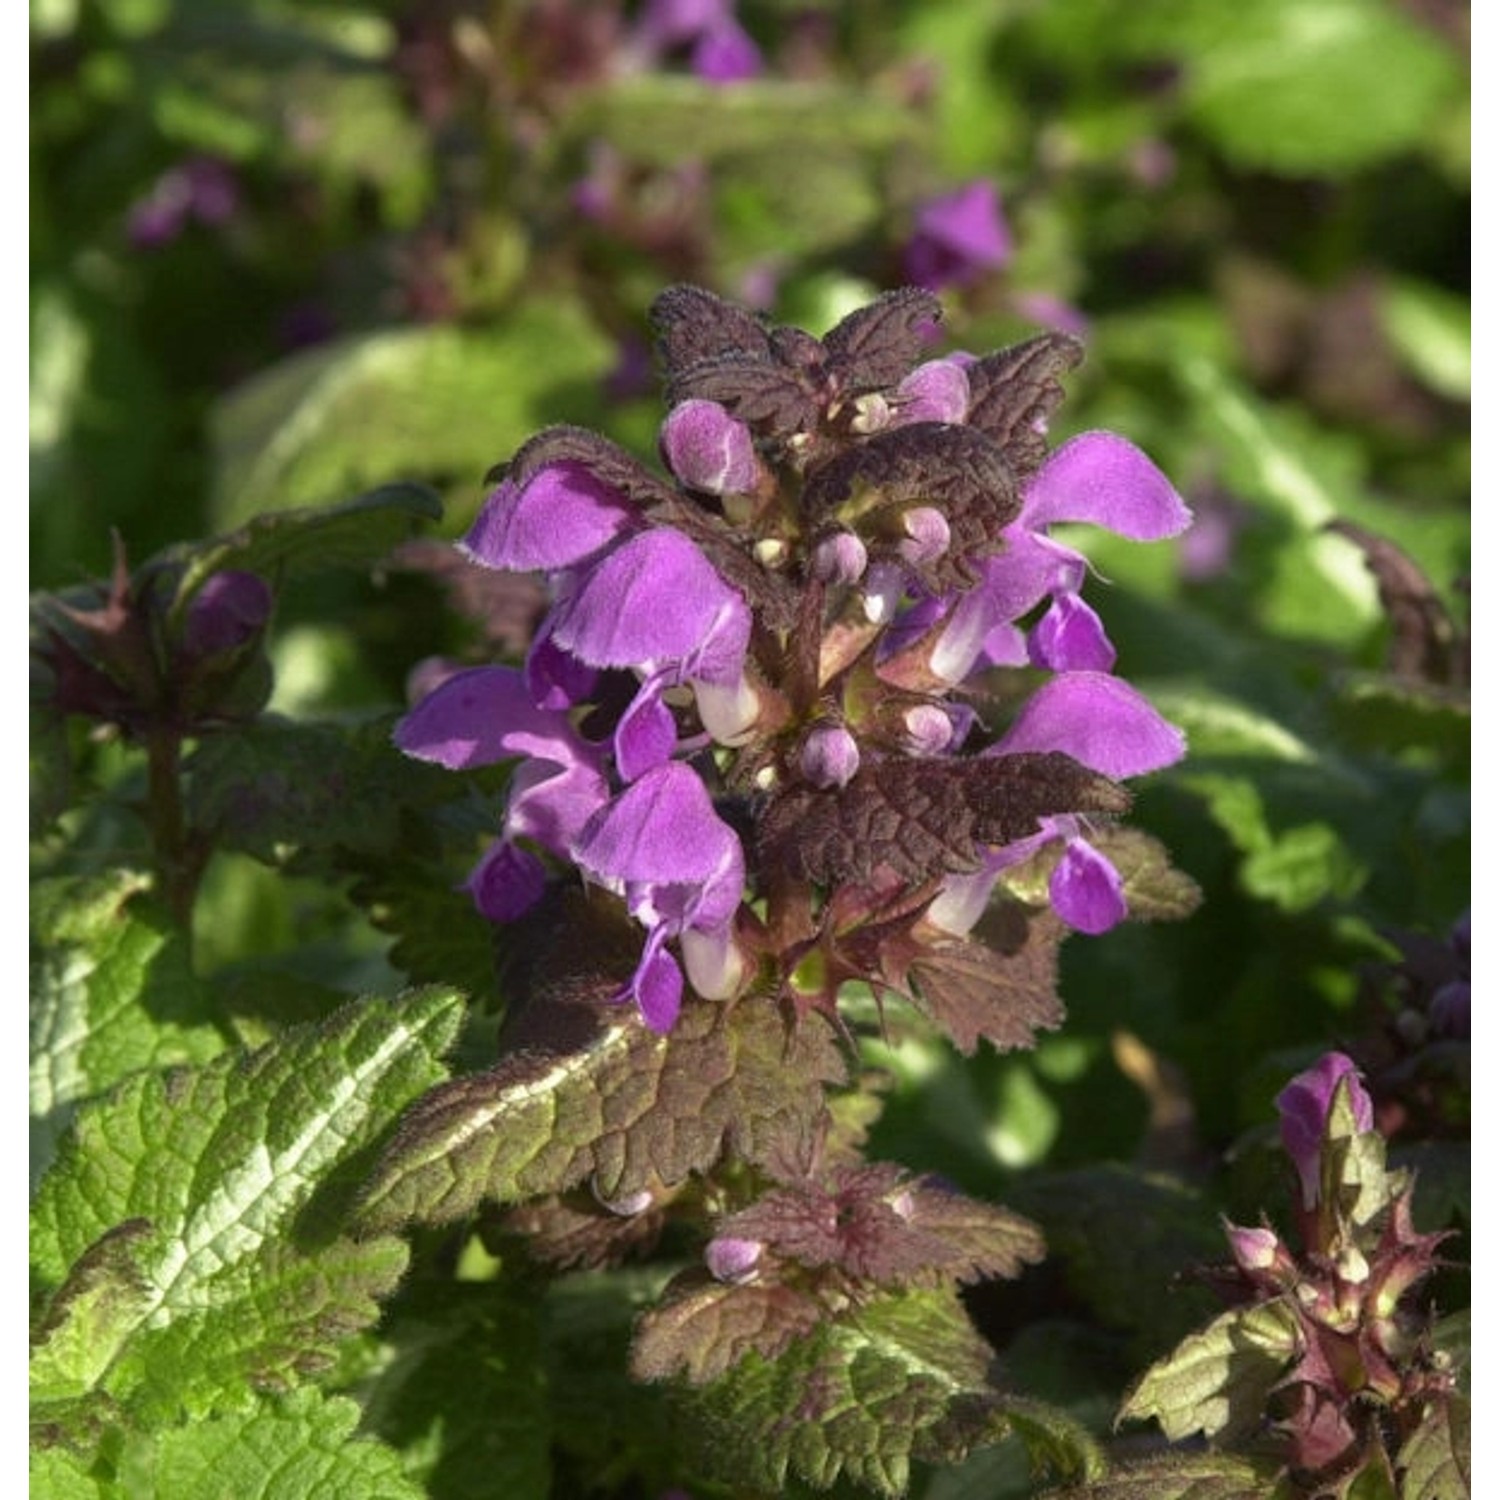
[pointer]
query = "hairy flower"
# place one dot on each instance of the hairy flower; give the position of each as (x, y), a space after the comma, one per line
(778, 782)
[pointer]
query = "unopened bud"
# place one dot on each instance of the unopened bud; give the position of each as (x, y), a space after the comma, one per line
(830, 756)
(708, 450)
(1253, 1249)
(927, 535)
(937, 391)
(1352, 1266)
(871, 413)
(626, 1207)
(840, 558)
(227, 611)
(929, 729)
(732, 1260)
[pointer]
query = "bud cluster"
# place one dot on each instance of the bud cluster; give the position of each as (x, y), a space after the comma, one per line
(1360, 1370)
(752, 710)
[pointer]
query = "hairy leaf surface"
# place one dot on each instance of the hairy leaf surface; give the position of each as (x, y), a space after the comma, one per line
(1014, 392)
(192, 1219)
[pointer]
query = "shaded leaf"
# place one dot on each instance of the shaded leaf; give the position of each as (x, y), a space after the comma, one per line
(899, 1378)
(974, 991)
(702, 1328)
(877, 344)
(1435, 1461)
(573, 1231)
(1193, 1476)
(277, 785)
(239, 1169)
(1216, 1382)
(460, 1392)
(290, 543)
(604, 459)
(920, 819)
(1013, 393)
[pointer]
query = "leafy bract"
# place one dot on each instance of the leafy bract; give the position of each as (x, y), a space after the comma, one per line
(1216, 1382)
(277, 784)
(1192, 1476)
(187, 1238)
(111, 992)
(1435, 1460)
(281, 545)
(898, 1378)
(628, 1108)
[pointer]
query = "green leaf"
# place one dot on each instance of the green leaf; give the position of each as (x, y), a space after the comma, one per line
(237, 1173)
(439, 403)
(894, 1379)
(1315, 87)
(353, 534)
(648, 118)
(300, 1447)
(277, 785)
(1196, 1476)
(628, 1108)
(1303, 866)
(1430, 328)
(57, 1474)
(1216, 1382)
(112, 992)
(462, 1393)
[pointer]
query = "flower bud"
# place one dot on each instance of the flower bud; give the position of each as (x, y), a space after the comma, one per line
(830, 756)
(627, 1207)
(709, 450)
(929, 729)
(937, 391)
(840, 558)
(1304, 1105)
(732, 1260)
(229, 610)
(1253, 1249)
(927, 535)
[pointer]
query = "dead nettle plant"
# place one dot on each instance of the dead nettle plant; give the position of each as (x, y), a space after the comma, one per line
(816, 716)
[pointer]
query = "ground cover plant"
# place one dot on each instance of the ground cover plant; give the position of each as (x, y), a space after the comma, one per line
(750, 751)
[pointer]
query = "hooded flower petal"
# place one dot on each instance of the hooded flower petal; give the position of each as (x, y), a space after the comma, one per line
(646, 733)
(1304, 1105)
(1102, 478)
(484, 715)
(562, 515)
(655, 601)
(657, 989)
(662, 831)
(1100, 721)
(937, 391)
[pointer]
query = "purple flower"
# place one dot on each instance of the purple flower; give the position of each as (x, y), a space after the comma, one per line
(731, 1259)
(708, 450)
(937, 391)
(958, 238)
(202, 188)
(721, 50)
(679, 866)
(1304, 1105)
(1106, 725)
(560, 517)
(1096, 477)
(484, 715)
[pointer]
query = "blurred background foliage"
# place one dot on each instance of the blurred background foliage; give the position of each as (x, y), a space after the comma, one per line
(284, 252)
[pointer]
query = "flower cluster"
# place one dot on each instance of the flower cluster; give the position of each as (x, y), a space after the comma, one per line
(757, 708)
